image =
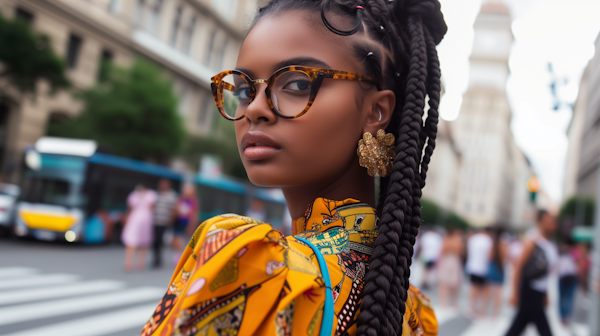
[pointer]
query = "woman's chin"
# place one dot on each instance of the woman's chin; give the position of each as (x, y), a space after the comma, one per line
(265, 180)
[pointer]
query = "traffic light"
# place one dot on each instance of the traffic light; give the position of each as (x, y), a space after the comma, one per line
(533, 185)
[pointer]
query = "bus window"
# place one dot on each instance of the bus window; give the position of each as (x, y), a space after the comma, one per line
(214, 202)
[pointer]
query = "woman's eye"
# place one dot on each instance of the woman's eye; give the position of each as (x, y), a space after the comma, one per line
(297, 85)
(242, 93)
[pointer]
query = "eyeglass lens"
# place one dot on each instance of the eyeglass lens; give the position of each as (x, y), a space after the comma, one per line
(290, 94)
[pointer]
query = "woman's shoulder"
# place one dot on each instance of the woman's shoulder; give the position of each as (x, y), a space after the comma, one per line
(419, 316)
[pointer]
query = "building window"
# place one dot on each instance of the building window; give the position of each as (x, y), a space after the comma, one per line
(114, 6)
(189, 34)
(154, 16)
(139, 12)
(24, 15)
(176, 24)
(209, 50)
(73, 48)
(106, 58)
(481, 208)
(467, 206)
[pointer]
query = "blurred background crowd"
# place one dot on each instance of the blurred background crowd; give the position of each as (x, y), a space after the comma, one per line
(111, 145)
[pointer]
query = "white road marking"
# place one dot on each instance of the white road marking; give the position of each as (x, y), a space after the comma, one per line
(38, 294)
(8, 272)
(34, 311)
(97, 325)
(40, 280)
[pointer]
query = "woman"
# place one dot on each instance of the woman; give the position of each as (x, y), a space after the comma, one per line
(495, 278)
(450, 268)
(186, 209)
(337, 69)
(531, 277)
(137, 233)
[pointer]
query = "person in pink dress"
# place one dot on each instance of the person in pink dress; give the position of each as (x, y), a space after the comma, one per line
(137, 233)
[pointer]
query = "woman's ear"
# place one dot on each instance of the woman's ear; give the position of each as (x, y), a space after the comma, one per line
(381, 108)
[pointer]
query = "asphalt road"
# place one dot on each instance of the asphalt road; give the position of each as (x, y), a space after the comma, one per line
(60, 289)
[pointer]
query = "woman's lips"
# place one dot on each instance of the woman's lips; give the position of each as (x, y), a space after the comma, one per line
(258, 145)
(260, 152)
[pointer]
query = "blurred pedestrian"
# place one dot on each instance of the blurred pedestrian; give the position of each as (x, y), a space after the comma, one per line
(582, 258)
(568, 278)
(530, 278)
(164, 216)
(257, 210)
(431, 247)
(479, 247)
(495, 277)
(450, 266)
(188, 209)
(137, 233)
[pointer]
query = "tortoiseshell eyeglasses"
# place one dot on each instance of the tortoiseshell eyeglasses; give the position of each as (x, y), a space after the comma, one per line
(290, 91)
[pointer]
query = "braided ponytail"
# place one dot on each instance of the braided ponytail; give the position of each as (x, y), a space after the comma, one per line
(410, 31)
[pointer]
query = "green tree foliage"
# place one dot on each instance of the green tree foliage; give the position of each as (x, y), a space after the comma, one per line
(433, 214)
(133, 112)
(579, 205)
(221, 142)
(27, 57)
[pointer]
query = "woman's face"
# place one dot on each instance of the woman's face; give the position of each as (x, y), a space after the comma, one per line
(320, 145)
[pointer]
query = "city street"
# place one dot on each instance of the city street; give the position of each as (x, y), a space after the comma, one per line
(59, 289)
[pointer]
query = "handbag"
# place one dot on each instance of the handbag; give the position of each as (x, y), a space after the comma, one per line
(537, 265)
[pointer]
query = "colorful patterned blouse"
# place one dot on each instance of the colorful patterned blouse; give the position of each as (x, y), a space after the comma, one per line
(239, 276)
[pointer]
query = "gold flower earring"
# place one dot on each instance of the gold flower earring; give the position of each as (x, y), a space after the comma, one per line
(377, 154)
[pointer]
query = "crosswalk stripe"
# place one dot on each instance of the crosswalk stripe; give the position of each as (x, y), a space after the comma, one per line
(488, 327)
(7, 272)
(38, 280)
(97, 325)
(34, 311)
(28, 295)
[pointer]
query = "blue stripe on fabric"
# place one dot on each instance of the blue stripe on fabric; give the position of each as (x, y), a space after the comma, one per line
(328, 313)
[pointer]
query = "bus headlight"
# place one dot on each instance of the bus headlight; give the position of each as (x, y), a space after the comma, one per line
(70, 236)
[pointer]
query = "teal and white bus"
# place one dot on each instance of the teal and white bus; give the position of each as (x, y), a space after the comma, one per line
(71, 192)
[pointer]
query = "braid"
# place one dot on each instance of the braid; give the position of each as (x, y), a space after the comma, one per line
(409, 30)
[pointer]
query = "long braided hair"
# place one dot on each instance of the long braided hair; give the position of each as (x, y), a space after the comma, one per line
(409, 31)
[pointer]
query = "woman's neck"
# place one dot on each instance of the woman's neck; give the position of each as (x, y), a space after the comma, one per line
(353, 183)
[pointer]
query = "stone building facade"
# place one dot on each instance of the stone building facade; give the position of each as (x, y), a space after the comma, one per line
(445, 165)
(492, 167)
(583, 156)
(191, 40)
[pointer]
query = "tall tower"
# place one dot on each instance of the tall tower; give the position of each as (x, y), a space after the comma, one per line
(482, 129)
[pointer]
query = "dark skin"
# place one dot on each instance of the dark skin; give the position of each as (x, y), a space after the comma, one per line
(316, 153)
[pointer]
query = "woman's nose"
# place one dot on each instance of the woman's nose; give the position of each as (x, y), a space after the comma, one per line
(259, 110)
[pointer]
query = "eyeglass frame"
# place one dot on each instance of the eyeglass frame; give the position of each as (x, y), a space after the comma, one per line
(315, 75)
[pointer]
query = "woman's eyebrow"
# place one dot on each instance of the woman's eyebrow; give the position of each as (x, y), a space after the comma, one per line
(305, 61)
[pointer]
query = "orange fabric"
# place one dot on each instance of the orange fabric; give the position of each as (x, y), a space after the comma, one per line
(239, 276)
